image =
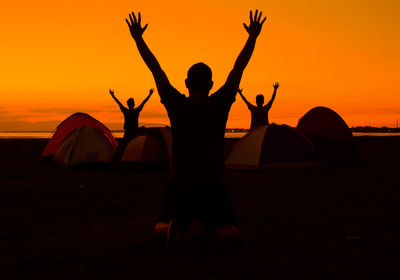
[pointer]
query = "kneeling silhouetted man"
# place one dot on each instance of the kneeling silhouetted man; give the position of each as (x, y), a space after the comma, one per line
(198, 126)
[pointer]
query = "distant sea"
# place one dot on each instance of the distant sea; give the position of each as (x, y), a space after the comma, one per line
(118, 134)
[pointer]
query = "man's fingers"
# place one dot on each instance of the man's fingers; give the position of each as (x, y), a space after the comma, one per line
(246, 27)
(127, 21)
(144, 28)
(259, 17)
(130, 17)
(251, 16)
(134, 17)
(139, 18)
(255, 15)
(263, 20)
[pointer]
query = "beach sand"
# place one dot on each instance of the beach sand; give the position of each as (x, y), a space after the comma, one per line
(325, 223)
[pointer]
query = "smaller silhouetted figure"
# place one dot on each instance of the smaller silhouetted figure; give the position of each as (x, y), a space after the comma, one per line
(259, 113)
(131, 114)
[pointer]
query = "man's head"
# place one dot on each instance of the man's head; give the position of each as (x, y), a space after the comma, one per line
(131, 103)
(260, 100)
(199, 81)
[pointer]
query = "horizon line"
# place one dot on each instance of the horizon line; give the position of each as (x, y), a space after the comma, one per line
(226, 130)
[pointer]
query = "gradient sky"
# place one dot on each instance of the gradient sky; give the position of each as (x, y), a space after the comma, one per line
(60, 57)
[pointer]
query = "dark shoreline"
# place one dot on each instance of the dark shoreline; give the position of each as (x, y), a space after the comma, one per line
(326, 223)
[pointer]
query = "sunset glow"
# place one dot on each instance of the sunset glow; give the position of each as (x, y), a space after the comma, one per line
(61, 57)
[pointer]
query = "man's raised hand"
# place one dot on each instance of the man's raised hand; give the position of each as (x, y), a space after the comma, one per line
(255, 25)
(111, 92)
(276, 85)
(135, 25)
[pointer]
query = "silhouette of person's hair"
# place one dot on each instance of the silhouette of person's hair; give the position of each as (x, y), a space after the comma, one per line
(260, 100)
(131, 103)
(199, 76)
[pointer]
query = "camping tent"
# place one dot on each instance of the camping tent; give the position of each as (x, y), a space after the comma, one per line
(330, 135)
(148, 147)
(84, 145)
(273, 146)
(73, 122)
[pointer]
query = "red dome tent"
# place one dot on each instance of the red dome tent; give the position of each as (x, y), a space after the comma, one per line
(70, 124)
(273, 146)
(330, 135)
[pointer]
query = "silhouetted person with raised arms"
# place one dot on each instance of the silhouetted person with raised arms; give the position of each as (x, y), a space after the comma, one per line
(131, 114)
(259, 113)
(198, 126)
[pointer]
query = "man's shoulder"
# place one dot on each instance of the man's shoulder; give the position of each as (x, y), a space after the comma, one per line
(226, 88)
(252, 107)
(124, 110)
(225, 94)
(171, 94)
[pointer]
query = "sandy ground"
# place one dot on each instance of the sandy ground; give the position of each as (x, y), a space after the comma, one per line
(325, 223)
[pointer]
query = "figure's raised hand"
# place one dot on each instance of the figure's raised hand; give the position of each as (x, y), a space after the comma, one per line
(111, 92)
(135, 25)
(255, 25)
(240, 90)
(151, 90)
(276, 85)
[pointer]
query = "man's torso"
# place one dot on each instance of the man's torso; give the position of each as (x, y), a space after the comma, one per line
(198, 130)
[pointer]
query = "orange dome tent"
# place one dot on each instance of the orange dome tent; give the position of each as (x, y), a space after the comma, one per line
(273, 146)
(149, 148)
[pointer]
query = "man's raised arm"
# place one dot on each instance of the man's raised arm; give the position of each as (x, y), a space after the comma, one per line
(122, 107)
(140, 107)
(136, 29)
(269, 104)
(240, 91)
(254, 30)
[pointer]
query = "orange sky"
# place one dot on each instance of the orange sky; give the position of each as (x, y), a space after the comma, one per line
(60, 57)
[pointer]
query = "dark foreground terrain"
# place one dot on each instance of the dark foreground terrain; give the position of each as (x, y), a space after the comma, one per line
(326, 223)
